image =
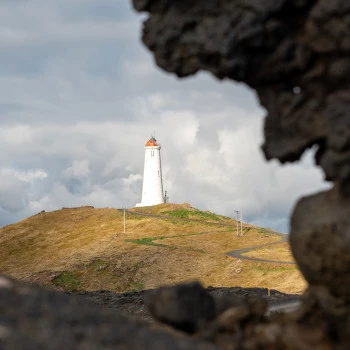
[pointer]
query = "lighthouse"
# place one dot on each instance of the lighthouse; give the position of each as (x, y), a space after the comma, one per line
(152, 187)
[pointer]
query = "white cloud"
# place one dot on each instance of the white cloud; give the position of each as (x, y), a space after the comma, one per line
(13, 194)
(79, 169)
(25, 176)
(132, 179)
(22, 24)
(79, 96)
(16, 135)
(15, 188)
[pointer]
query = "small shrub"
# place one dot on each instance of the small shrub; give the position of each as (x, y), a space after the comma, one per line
(148, 241)
(186, 214)
(98, 265)
(67, 280)
(135, 286)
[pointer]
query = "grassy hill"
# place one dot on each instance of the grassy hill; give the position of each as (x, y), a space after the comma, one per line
(85, 248)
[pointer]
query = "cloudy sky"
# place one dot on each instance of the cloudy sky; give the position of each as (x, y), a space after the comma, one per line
(79, 95)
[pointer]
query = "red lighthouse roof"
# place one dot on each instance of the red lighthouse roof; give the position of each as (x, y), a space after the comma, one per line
(152, 142)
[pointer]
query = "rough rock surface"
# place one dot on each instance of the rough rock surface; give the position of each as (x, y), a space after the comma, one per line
(133, 303)
(295, 54)
(322, 246)
(187, 307)
(33, 318)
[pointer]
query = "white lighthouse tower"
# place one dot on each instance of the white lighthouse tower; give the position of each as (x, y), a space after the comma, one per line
(152, 187)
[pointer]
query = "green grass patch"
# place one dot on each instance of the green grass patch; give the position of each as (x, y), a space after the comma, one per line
(67, 280)
(135, 286)
(190, 214)
(183, 222)
(150, 240)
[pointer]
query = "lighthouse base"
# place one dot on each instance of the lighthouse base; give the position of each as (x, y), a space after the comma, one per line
(148, 204)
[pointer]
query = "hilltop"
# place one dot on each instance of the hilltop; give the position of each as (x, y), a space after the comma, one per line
(85, 249)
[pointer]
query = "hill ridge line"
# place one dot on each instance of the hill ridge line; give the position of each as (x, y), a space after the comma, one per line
(187, 219)
(234, 253)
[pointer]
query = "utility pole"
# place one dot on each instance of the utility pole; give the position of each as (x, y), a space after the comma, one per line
(237, 212)
(239, 219)
(241, 222)
(124, 221)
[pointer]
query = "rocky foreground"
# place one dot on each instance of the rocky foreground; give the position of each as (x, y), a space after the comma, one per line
(135, 303)
(185, 316)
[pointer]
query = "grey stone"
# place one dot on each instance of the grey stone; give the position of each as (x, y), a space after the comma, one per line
(187, 306)
(34, 318)
(320, 240)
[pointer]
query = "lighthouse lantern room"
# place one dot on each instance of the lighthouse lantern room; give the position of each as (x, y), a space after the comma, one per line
(152, 187)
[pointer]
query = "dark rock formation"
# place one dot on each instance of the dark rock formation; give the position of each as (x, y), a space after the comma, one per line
(133, 303)
(187, 307)
(33, 318)
(322, 246)
(295, 54)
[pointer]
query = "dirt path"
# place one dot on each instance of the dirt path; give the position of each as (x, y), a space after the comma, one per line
(238, 253)
(234, 253)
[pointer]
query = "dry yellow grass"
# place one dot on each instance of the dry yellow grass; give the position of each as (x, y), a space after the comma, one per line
(90, 245)
(274, 252)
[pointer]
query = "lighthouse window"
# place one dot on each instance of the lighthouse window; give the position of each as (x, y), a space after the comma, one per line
(152, 153)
